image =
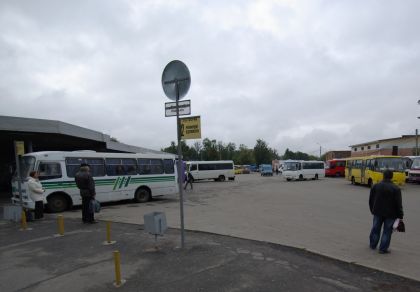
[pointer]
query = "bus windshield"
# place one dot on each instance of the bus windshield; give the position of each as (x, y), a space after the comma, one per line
(395, 164)
(27, 164)
(416, 163)
(290, 166)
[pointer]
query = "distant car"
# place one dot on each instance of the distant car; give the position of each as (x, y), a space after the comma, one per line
(253, 168)
(246, 170)
(238, 169)
(266, 170)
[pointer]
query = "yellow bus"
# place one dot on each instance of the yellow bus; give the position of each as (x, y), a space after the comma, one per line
(369, 170)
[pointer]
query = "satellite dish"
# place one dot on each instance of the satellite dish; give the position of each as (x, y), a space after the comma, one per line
(176, 80)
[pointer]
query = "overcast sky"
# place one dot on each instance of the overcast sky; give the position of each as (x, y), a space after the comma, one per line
(297, 74)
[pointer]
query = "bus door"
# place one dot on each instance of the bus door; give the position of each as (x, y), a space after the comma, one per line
(369, 165)
(349, 168)
(362, 171)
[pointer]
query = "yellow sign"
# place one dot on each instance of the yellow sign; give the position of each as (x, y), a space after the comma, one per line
(191, 128)
(19, 147)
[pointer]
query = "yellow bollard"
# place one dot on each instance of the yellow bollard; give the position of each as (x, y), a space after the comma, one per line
(118, 281)
(108, 234)
(60, 221)
(24, 224)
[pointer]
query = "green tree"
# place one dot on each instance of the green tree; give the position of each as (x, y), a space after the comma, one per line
(297, 155)
(243, 155)
(262, 153)
(210, 150)
(171, 149)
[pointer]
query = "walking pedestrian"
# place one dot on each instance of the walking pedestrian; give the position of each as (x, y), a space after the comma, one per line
(190, 180)
(86, 184)
(385, 204)
(35, 193)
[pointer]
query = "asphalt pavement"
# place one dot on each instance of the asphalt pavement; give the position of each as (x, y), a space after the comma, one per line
(329, 217)
(38, 260)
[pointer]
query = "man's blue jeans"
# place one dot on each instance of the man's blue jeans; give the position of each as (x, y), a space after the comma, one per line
(375, 233)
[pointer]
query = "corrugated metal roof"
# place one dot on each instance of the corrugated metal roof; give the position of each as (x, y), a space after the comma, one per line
(19, 124)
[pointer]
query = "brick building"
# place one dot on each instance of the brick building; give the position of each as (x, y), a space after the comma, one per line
(337, 154)
(403, 146)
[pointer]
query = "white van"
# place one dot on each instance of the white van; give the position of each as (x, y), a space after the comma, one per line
(300, 170)
(217, 170)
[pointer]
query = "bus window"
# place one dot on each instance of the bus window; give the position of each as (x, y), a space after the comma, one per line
(168, 166)
(193, 167)
(144, 165)
(114, 167)
(49, 170)
(97, 166)
(156, 166)
(129, 166)
(150, 166)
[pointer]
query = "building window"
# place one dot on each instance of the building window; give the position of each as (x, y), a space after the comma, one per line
(363, 148)
(377, 146)
(368, 147)
(355, 149)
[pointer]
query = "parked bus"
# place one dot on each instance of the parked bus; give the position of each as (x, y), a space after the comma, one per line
(335, 167)
(414, 172)
(369, 170)
(300, 170)
(117, 176)
(217, 170)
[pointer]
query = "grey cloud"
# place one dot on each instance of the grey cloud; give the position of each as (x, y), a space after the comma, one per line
(333, 73)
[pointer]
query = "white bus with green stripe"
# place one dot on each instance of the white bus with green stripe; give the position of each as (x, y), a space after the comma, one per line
(118, 176)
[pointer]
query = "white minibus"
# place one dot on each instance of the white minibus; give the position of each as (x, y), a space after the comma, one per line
(117, 176)
(217, 170)
(300, 170)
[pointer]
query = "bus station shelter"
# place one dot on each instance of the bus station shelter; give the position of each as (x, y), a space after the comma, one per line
(50, 135)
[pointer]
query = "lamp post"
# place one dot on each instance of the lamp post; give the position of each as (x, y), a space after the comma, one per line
(417, 135)
(320, 147)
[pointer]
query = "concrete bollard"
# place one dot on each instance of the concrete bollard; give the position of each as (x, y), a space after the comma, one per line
(118, 281)
(108, 234)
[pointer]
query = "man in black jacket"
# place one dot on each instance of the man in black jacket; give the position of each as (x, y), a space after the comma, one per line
(86, 184)
(385, 205)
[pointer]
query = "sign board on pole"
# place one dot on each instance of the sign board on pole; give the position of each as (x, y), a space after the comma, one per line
(184, 108)
(20, 148)
(191, 128)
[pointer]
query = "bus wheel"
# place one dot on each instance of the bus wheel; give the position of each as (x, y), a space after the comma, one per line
(222, 178)
(370, 183)
(316, 176)
(288, 179)
(352, 180)
(57, 203)
(300, 177)
(337, 174)
(142, 195)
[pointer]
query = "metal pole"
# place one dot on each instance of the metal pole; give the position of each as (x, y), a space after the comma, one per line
(180, 175)
(319, 152)
(417, 142)
(17, 160)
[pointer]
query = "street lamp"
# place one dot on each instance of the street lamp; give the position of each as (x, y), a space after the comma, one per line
(417, 135)
(319, 150)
